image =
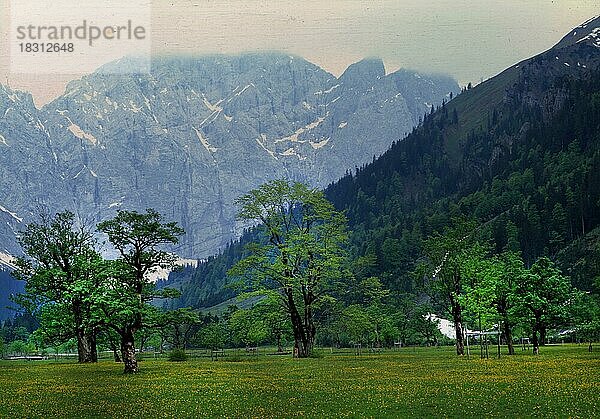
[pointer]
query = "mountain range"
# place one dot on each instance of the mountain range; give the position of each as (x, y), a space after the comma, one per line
(195, 134)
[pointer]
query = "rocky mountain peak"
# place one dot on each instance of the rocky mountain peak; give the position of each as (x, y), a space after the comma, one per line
(364, 71)
(588, 33)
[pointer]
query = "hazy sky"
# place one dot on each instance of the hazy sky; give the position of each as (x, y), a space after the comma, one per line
(468, 39)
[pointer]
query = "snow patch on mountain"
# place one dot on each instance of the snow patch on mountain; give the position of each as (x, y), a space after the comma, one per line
(212, 107)
(292, 152)
(323, 92)
(593, 36)
(83, 169)
(294, 137)
(134, 108)
(446, 327)
(320, 144)
(81, 134)
(205, 142)
(162, 273)
(262, 144)
(244, 89)
(12, 214)
(7, 261)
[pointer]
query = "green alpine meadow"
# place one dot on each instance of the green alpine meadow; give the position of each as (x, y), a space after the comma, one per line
(419, 382)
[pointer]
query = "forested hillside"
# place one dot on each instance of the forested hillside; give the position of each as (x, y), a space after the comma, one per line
(533, 178)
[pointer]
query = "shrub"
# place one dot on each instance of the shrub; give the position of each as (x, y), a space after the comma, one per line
(177, 355)
(316, 353)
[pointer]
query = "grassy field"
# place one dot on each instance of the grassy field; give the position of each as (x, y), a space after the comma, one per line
(564, 381)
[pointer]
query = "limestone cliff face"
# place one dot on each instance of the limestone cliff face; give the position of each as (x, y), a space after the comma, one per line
(197, 133)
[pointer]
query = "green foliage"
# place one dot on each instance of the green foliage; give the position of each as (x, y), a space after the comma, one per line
(177, 355)
(248, 328)
(19, 347)
(176, 326)
(62, 271)
(275, 320)
(212, 336)
(303, 256)
(137, 237)
(355, 322)
(586, 309)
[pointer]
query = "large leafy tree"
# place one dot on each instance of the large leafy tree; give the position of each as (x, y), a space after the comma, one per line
(177, 327)
(137, 237)
(302, 255)
(543, 298)
(61, 271)
(506, 272)
(490, 288)
(449, 258)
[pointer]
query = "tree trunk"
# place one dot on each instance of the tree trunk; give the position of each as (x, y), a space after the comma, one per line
(86, 340)
(279, 346)
(457, 318)
(309, 328)
(542, 329)
(86, 347)
(114, 349)
(305, 348)
(508, 336)
(457, 315)
(177, 338)
(128, 352)
(300, 338)
(298, 335)
(535, 341)
(506, 326)
(92, 340)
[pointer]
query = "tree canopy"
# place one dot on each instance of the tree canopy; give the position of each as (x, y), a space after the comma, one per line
(302, 254)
